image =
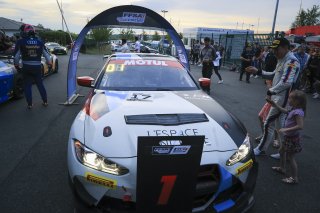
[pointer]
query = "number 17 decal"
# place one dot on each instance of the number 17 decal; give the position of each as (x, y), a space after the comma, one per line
(168, 183)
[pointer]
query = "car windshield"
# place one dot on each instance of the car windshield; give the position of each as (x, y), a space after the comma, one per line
(152, 74)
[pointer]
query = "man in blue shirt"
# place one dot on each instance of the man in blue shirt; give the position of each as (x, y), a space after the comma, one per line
(30, 49)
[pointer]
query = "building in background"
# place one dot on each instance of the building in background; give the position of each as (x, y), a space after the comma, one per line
(199, 33)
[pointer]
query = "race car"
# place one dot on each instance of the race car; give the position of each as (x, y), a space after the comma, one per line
(11, 82)
(140, 96)
(56, 48)
(45, 69)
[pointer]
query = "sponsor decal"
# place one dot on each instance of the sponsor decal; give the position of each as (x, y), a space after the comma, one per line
(115, 67)
(182, 58)
(129, 17)
(161, 150)
(244, 167)
(141, 62)
(140, 97)
(180, 150)
(170, 142)
(175, 132)
(145, 62)
(106, 182)
(170, 150)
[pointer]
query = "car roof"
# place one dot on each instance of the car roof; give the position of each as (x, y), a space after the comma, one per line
(50, 43)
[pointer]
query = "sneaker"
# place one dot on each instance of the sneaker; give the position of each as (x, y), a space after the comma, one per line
(45, 104)
(200, 65)
(220, 82)
(191, 63)
(251, 76)
(316, 96)
(258, 152)
(256, 76)
(275, 156)
(314, 93)
(29, 106)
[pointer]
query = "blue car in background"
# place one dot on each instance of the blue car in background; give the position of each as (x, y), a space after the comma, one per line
(11, 82)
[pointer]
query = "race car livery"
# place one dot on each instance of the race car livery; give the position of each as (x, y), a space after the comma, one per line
(138, 97)
(11, 82)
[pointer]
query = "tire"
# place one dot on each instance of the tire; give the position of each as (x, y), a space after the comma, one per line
(56, 67)
(18, 86)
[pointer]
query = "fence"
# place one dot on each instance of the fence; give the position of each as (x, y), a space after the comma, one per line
(234, 44)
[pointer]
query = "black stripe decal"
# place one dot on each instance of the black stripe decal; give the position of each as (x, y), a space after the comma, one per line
(226, 120)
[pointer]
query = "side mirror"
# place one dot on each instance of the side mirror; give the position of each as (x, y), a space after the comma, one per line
(85, 81)
(205, 84)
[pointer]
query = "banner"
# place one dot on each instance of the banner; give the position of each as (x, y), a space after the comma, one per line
(122, 16)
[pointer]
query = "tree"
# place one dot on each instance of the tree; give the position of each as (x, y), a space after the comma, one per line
(156, 36)
(144, 35)
(101, 34)
(127, 34)
(168, 38)
(307, 18)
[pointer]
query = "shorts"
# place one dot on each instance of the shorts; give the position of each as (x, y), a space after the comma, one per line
(264, 111)
(292, 144)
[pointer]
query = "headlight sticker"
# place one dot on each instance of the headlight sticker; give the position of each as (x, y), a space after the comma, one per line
(244, 167)
(106, 182)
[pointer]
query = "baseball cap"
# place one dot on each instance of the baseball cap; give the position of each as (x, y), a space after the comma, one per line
(280, 42)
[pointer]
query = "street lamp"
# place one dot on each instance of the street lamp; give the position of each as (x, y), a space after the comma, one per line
(164, 13)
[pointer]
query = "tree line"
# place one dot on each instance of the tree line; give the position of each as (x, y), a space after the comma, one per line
(309, 17)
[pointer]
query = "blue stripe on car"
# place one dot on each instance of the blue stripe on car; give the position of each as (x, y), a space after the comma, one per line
(224, 205)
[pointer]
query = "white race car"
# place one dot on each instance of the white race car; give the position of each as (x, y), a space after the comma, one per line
(152, 96)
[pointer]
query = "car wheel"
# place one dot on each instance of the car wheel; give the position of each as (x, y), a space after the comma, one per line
(18, 86)
(56, 67)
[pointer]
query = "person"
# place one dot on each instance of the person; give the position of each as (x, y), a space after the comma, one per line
(5, 43)
(207, 56)
(216, 64)
(257, 59)
(246, 61)
(291, 130)
(30, 49)
(137, 44)
(303, 58)
(195, 53)
(124, 46)
(284, 76)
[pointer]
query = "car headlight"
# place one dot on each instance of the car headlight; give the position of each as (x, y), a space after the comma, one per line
(241, 153)
(95, 161)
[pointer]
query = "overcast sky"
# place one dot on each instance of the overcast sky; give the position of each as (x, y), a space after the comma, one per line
(181, 13)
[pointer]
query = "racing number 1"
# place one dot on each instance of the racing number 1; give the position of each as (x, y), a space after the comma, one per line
(168, 183)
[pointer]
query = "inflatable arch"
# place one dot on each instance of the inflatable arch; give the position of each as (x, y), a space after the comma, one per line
(121, 16)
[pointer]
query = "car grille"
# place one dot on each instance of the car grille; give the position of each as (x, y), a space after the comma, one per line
(166, 119)
(207, 184)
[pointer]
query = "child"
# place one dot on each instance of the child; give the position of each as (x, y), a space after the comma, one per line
(291, 131)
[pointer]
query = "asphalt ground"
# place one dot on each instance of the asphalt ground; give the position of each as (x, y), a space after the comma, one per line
(33, 153)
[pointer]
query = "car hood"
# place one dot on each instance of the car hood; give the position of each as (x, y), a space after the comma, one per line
(116, 119)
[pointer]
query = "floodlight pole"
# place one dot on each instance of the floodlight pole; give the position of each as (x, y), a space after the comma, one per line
(64, 20)
(164, 13)
(275, 17)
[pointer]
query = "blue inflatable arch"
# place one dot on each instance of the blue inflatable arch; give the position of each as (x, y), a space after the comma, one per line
(121, 16)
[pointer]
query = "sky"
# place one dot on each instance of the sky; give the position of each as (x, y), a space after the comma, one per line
(231, 14)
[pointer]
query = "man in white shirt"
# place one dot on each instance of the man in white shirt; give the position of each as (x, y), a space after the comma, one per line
(137, 45)
(124, 48)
